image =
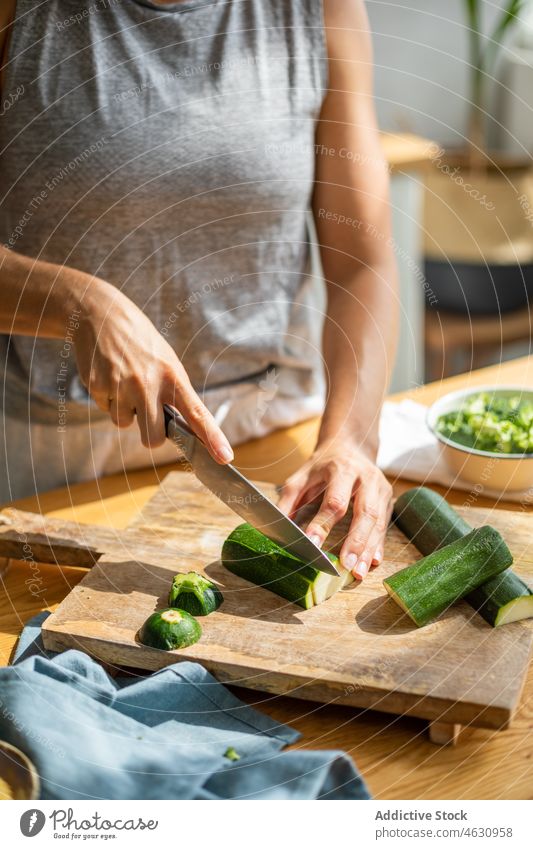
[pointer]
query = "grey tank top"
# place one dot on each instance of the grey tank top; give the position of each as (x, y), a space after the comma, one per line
(168, 149)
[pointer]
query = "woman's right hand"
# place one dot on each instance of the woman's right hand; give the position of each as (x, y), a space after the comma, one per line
(130, 370)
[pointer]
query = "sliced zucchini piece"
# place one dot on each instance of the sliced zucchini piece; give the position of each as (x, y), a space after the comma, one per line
(231, 754)
(503, 599)
(170, 629)
(425, 589)
(195, 594)
(251, 555)
(430, 523)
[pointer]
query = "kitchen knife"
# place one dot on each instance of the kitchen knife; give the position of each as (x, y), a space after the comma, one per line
(238, 493)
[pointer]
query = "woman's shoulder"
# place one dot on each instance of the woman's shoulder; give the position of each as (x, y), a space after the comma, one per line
(347, 29)
(348, 17)
(348, 12)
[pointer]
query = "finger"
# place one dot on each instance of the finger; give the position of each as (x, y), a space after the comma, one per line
(369, 514)
(312, 495)
(293, 492)
(201, 422)
(288, 499)
(121, 412)
(98, 388)
(375, 546)
(333, 507)
(378, 550)
(151, 422)
(101, 399)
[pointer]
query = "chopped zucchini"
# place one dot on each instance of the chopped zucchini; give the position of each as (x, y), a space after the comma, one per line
(427, 519)
(430, 523)
(425, 589)
(251, 555)
(170, 629)
(503, 599)
(231, 754)
(195, 594)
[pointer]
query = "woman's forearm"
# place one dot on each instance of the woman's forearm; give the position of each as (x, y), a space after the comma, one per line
(37, 297)
(129, 369)
(359, 343)
(353, 222)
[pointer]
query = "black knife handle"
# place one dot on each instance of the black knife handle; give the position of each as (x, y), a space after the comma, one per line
(172, 415)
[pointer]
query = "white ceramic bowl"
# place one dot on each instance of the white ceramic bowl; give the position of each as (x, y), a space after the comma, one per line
(498, 472)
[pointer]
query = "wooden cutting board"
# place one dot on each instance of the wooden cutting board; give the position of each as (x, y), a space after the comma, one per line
(356, 649)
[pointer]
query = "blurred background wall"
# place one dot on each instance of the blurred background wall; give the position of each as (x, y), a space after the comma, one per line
(421, 69)
(476, 258)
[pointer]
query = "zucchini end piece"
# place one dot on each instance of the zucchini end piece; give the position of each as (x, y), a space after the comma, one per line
(194, 593)
(170, 629)
(514, 611)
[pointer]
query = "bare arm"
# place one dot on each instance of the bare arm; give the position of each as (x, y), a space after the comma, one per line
(351, 210)
(126, 365)
(37, 296)
(359, 266)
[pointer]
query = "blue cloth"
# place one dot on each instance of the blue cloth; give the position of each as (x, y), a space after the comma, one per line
(163, 736)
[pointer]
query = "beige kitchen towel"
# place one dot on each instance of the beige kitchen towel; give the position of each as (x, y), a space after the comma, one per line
(409, 450)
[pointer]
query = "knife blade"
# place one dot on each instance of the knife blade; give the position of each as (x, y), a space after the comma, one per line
(241, 496)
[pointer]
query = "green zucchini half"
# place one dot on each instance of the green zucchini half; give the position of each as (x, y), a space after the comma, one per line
(170, 629)
(503, 599)
(428, 587)
(427, 519)
(251, 555)
(430, 522)
(195, 594)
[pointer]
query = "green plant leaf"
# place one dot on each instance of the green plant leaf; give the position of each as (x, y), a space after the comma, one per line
(472, 8)
(483, 55)
(473, 18)
(473, 15)
(507, 18)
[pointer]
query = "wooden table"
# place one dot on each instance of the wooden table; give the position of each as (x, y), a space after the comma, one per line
(405, 151)
(393, 753)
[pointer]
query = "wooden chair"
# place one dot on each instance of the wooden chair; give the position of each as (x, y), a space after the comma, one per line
(458, 343)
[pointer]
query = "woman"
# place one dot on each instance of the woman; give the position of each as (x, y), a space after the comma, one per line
(159, 161)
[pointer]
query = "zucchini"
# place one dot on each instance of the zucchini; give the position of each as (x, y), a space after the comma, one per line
(430, 522)
(170, 629)
(503, 599)
(425, 589)
(231, 754)
(195, 594)
(427, 519)
(251, 555)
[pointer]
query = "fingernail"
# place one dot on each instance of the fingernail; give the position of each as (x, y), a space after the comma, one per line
(225, 453)
(349, 562)
(378, 556)
(362, 569)
(316, 539)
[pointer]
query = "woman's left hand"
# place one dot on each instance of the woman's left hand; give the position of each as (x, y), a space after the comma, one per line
(337, 474)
